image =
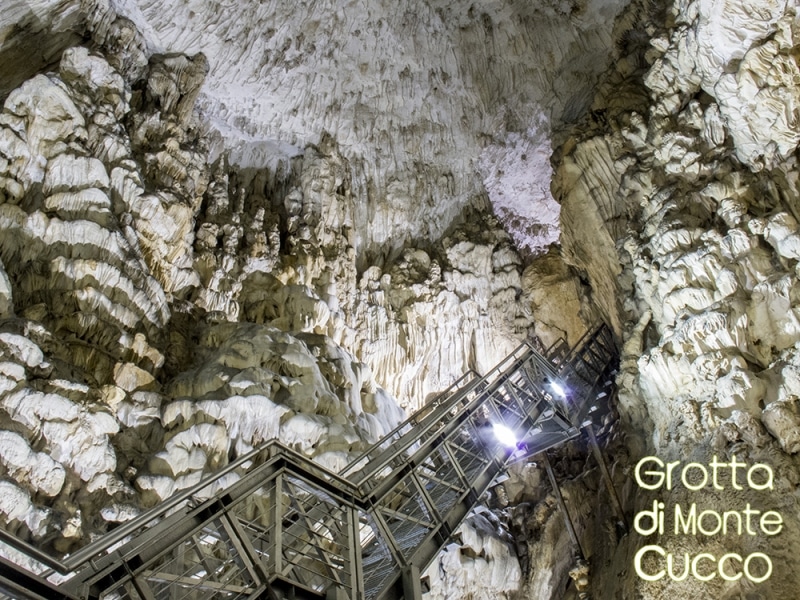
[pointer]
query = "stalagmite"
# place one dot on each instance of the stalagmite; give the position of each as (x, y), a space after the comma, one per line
(299, 221)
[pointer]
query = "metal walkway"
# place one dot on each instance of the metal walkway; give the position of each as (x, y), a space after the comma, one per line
(288, 528)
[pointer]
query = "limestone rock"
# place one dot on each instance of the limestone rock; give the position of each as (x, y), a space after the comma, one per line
(6, 299)
(35, 469)
(555, 300)
(696, 257)
(510, 70)
(254, 384)
(483, 564)
(782, 420)
(16, 505)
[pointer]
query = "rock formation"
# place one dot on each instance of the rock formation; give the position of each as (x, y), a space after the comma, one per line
(166, 310)
(108, 310)
(686, 171)
(293, 221)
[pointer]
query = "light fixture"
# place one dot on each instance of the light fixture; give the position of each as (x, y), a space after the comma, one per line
(558, 389)
(504, 435)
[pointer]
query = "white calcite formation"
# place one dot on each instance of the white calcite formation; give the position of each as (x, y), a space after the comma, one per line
(165, 311)
(687, 175)
(117, 388)
(705, 247)
(219, 227)
(282, 222)
(418, 321)
(257, 383)
(428, 101)
(411, 91)
(422, 321)
(480, 563)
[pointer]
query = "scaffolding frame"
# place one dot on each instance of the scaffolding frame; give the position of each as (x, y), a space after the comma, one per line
(289, 528)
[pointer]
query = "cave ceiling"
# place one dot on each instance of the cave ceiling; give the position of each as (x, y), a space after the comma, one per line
(437, 106)
(231, 222)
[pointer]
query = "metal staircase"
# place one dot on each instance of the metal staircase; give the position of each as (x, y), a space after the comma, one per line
(288, 528)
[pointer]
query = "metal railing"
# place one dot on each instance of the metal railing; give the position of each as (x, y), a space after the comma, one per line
(290, 528)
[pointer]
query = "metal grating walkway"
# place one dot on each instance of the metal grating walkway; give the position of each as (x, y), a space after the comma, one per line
(289, 528)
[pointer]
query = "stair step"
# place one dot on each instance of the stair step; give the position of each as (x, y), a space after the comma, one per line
(456, 423)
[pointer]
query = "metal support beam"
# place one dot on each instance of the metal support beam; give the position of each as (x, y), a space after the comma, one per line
(277, 515)
(412, 586)
(16, 580)
(573, 536)
(290, 529)
(354, 553)
(612, 491)
(336, 593)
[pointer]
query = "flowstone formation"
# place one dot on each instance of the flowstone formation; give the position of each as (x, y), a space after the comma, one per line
(121, 383)
(686, 173)
(284, 222)
(433, 104)
(163, 314)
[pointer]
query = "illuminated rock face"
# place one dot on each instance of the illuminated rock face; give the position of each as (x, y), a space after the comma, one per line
(126, 373)
(690, 179)
(701, 236)
(219, 227)
(426, 100)
(178, 288)
(165, 311)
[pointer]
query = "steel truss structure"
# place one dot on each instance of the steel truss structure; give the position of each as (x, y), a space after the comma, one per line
(288, 528)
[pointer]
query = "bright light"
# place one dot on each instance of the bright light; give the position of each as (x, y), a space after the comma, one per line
(558, 389)
(504, 435)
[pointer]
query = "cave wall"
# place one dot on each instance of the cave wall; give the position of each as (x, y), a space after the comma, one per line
(686, 172)
(432, 104)
(220, 227)
(165, 310)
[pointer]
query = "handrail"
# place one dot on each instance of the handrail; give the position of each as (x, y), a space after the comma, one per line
(588, 336)
(413, 419)
(449, 395)
(265, 464)
(74, 561)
